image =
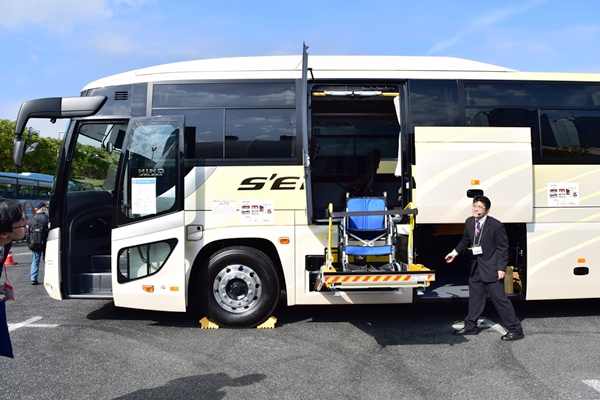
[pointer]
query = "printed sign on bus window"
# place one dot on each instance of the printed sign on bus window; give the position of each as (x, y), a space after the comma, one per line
(143, 196)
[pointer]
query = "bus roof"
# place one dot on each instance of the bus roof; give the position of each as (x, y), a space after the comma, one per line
(28, 175)
(331, 67)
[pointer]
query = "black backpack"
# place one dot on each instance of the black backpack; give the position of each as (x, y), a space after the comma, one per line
(38, 233)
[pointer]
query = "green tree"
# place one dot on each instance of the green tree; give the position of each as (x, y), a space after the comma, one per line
(43, 159)
(7, 137)
(89, 161)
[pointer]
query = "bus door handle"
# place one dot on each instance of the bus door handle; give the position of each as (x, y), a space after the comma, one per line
(195, 232)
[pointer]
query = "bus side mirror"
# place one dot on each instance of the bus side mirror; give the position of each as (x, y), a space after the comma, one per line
(31, 148)
(18, 152)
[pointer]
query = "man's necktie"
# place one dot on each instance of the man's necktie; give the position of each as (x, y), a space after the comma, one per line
(477, 231)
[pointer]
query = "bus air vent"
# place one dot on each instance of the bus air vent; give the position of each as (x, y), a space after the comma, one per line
(121, 95)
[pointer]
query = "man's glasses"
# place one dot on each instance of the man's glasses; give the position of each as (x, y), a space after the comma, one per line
(23, 221)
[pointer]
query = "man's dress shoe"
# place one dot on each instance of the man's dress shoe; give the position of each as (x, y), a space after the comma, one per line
(512, 336)
(464, 331)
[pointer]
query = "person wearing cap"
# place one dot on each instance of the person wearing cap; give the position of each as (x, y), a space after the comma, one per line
(41, 218)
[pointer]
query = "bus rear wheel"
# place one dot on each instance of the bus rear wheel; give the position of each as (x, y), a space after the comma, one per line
(238, 287)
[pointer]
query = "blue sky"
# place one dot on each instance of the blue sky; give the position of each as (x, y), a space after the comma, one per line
(53, 48)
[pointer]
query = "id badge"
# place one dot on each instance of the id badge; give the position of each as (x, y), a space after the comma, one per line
(477, 250)
(9, 293)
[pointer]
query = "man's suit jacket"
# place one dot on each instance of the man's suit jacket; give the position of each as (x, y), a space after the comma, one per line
(494, 244)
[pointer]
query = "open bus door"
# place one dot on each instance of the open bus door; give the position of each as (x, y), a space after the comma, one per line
(148, 239)
(58, 108)
(308, 144)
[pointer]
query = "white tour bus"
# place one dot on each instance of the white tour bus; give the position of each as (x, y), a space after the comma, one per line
(230, 184)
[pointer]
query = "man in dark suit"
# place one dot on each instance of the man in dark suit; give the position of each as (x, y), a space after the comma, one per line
(486, 239)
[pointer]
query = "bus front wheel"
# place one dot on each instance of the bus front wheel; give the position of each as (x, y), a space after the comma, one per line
(238, 287)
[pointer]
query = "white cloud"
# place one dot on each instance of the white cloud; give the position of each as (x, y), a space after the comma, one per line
(59, 15)
(570, 49)
(482, 23)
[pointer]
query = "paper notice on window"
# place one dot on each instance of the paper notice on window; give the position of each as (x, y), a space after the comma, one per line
(563, 194)
(143, 196)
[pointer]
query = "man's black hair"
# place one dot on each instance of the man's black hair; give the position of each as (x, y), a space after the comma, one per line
(11, 211)
(486, 202)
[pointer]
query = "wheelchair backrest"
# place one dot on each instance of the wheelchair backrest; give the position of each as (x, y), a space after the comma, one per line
(366, 222)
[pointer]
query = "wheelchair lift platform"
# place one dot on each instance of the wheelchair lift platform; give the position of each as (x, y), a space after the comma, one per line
(419, 277)
(365, 257)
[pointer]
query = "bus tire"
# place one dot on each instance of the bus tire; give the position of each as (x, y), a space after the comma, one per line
(238, 287)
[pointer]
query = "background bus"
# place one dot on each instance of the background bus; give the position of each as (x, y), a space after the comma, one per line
(219, 175)
(27, 187)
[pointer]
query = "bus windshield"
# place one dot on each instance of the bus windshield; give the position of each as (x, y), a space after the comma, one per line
(96, 156)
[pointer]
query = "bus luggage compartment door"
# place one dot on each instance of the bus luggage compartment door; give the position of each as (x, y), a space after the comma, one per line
(452, 161)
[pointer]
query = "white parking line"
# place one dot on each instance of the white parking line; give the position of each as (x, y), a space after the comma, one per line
(482, 323)
(20, 253)
(594, 384)
(30, 323)
(492, 325)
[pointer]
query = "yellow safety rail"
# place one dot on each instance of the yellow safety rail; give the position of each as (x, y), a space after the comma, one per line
(329, 261)
(411, 225)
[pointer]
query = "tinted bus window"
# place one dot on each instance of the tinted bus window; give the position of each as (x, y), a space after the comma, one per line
(251, 133)
(224, 94)
(564, 119)
(27, 189)
(433, 103)
(261, 133)
(570, 133)
(518, 117)
(8, 187)
(507, 94)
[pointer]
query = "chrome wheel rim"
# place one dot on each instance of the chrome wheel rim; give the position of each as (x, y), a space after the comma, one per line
(237, 288)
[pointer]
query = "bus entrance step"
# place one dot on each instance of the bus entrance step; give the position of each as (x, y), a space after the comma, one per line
(93, 282)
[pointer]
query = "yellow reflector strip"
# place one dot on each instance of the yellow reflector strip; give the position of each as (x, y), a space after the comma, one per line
(372, 278)
(474, 181)
(581, 260)
(174, 288)
(148, 288)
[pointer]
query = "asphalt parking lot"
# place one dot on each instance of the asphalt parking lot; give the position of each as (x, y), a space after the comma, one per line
(82, 349)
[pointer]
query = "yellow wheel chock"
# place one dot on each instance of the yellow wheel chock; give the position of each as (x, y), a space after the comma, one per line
(268, 324)
(205, 323)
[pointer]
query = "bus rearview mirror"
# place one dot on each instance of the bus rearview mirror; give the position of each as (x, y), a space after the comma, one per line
(18, 151)
(31, 148)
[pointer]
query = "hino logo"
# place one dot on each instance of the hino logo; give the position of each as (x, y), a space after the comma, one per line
(273, 183)
(151, 172)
